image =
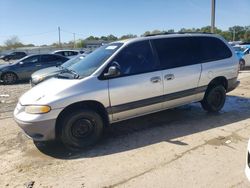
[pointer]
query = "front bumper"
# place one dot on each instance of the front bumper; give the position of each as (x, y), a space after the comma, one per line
(40, 130)
(39, 127)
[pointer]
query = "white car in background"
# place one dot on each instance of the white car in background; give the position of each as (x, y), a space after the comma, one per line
(68, 53)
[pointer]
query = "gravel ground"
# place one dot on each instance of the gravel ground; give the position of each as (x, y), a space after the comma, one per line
(9, 95)
(181, 147)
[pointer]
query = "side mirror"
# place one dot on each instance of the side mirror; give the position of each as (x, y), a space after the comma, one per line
(112, 72)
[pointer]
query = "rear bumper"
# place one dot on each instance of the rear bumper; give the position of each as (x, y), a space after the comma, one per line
(232, 84)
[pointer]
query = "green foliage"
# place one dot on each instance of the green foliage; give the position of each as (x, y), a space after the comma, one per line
(236, 33)
(128, 36)
(80, 44)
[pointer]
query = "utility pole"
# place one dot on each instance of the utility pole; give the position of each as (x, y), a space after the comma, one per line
(59, 36)
(234, 35)
(213, 17)
(74, 40)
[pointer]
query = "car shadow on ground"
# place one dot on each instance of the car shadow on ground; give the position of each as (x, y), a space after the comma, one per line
(165, 126)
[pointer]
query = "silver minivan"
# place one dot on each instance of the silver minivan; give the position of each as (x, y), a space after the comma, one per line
(126, 79)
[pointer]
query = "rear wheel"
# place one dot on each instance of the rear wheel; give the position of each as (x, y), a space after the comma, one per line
(214, 99)
(81, 128)
(9, 78)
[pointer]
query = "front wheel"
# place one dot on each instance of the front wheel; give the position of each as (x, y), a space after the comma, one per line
(9, 78)
(81, 128)
(214, 99)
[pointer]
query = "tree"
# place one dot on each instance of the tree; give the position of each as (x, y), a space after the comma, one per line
(111, 38)
(104, 38)
(13, 42)
(92, 38)
(128, 36)
(146, 33)
(156, 31)
(80, 44)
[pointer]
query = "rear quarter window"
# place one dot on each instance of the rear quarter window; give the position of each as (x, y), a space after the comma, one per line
(213, 49)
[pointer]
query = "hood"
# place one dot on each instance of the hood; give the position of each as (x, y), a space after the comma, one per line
(5, 65)
(47, 91)
(46, 71)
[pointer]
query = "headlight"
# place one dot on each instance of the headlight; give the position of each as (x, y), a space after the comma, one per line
(37, 109)
(37, 79)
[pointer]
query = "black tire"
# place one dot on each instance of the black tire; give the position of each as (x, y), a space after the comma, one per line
(242, 64)
(5, 59)
(81, 129)
(9, 78)
(214, 99)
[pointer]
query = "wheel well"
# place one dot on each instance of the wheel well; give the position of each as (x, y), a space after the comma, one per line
(94, 105)
(219, 81)
(9, 72)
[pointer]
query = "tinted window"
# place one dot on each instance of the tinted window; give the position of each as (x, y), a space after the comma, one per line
(49, 58)
(136, 58)
(32, 59)
(59, 53)
(213, 49)
(176, 52)
(70, 53)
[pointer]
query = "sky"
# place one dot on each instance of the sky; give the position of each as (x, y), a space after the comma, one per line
(37, 21)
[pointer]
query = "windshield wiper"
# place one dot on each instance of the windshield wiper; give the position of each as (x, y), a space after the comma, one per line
(76, 76)
(66, 70)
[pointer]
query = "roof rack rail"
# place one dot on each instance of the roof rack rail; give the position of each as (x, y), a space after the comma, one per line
(169, 33)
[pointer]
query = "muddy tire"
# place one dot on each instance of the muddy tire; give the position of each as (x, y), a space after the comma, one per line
(214, 99)
(81, 129)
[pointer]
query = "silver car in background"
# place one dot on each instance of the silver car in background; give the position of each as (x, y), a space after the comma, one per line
(50, 72)
(126, 79)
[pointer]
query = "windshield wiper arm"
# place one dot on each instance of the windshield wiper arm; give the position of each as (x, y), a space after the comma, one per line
(73, 72)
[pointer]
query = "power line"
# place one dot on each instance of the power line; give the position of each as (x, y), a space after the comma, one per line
(70, 32)
(28, 35)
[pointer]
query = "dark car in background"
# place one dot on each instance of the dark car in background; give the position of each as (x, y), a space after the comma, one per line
(13, 56)
(21, 70)
(49, 72)
(68, 53)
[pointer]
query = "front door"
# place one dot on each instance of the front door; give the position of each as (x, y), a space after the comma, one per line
(139, 88)
(28, 66)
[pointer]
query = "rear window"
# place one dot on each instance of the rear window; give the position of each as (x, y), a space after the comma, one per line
(184, 51)
(213, 49)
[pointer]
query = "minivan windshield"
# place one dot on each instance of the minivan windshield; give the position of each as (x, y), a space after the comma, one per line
(93, 61)
(73, 61)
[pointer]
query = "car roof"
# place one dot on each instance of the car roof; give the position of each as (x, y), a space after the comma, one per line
(168, 35)
(65, 51)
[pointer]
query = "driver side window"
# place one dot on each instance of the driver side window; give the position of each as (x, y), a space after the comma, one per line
(33, 59)
(136, 58)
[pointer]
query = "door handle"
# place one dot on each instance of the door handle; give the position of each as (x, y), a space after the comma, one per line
(38, 65)
(169, 77)
(155, 79)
